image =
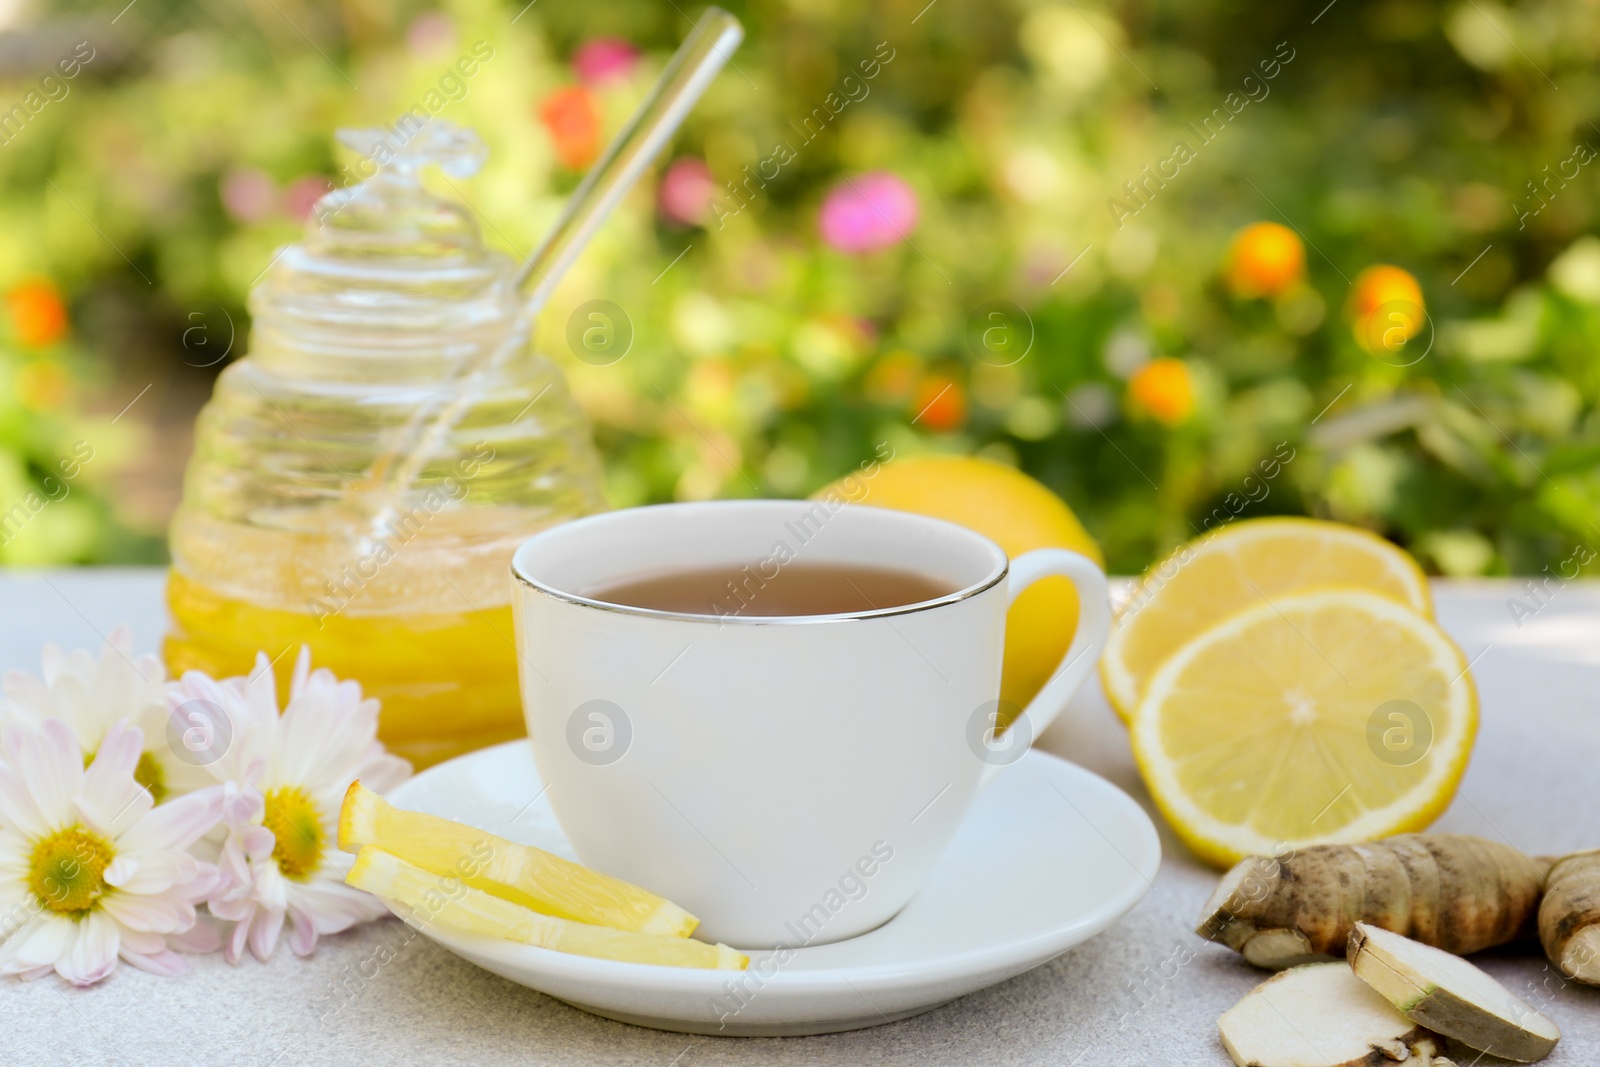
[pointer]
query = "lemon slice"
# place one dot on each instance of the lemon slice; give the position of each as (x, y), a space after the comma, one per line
(1332, 715)
(521, 874)
(1242, 564)
(426, 899)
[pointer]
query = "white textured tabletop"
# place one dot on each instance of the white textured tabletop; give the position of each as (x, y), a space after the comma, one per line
(1121, 999)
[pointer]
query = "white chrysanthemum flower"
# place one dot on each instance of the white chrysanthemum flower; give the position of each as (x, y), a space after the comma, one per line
(285, 777)
(90, 869)
(92, 695)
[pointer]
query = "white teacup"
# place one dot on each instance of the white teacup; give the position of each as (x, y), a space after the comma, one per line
(790, 780)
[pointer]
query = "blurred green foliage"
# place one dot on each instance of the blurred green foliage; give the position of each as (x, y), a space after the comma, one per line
(1443, 138)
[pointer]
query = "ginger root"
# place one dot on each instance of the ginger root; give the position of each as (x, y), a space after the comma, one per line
(1569, 916)
(1455, 892)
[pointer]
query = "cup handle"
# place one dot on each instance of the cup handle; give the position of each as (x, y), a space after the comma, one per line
(1094, 624)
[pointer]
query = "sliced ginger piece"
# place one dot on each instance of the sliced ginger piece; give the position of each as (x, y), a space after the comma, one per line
(1450, 996)
(521, 874)
(1320, 1015)
(426, 899)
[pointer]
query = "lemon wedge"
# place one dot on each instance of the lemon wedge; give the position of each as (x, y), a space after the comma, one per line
(1332, 715)
(426, 899)
(1242, 564)
(520, 874)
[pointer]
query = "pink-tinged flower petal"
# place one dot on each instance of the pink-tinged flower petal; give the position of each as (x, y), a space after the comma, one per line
(166, 963)
(35, 974)
(118, 754)
(869, 212)
(381, 771)
(241, 803)
(159, 914)
(110, 800)
(143, 942)
(53, 662)
(233, 951)
(73, 703)
(175, 825)
(302, 931)
(17, 901)
(48, 765)
(158, 873)
(301, 672)
(198, 940)
(121, 871)
(337, 906)
(17, 807)
(208, 876)
(686, 191)
(120, 639)
(37, 944)
(28, 693)
(93, 952)
(322, 744)
(257, 843)
(259, 691)
(264, 931)
(604, 59)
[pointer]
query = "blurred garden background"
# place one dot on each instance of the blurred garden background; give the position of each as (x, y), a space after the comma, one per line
(1030, 231)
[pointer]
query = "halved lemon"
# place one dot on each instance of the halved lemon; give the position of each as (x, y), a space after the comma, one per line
(1242, 564)
(1332, 715)
(426, 899)
(521, 874)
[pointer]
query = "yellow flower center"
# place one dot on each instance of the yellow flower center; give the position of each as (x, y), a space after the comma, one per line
(297, 830)
(67, 871)
(148, 773)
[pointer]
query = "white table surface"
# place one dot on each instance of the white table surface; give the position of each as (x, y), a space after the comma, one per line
(1534, 781)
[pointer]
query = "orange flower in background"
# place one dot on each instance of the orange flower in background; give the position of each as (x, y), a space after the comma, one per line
(38, 315)
(1164, 390)
(1386, 308)
(939, 404)
(892, 378)
(572, 115)
(1266, 259)
(42, 385)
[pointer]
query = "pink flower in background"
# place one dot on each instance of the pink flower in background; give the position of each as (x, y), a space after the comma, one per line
(869, 212)
(248, 194)
(303, 194)
(686, 191)
(430, 32)
(604, 59)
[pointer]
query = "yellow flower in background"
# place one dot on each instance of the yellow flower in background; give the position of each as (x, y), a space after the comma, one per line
(38, 315)
(42, 385)
(1265, 259)
(1164, 390)
(1386, 308)
(893, 377)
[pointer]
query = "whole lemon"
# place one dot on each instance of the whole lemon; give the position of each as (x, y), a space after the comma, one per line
(1017, 513)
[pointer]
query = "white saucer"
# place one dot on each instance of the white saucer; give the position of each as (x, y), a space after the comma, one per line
(1049, 856)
